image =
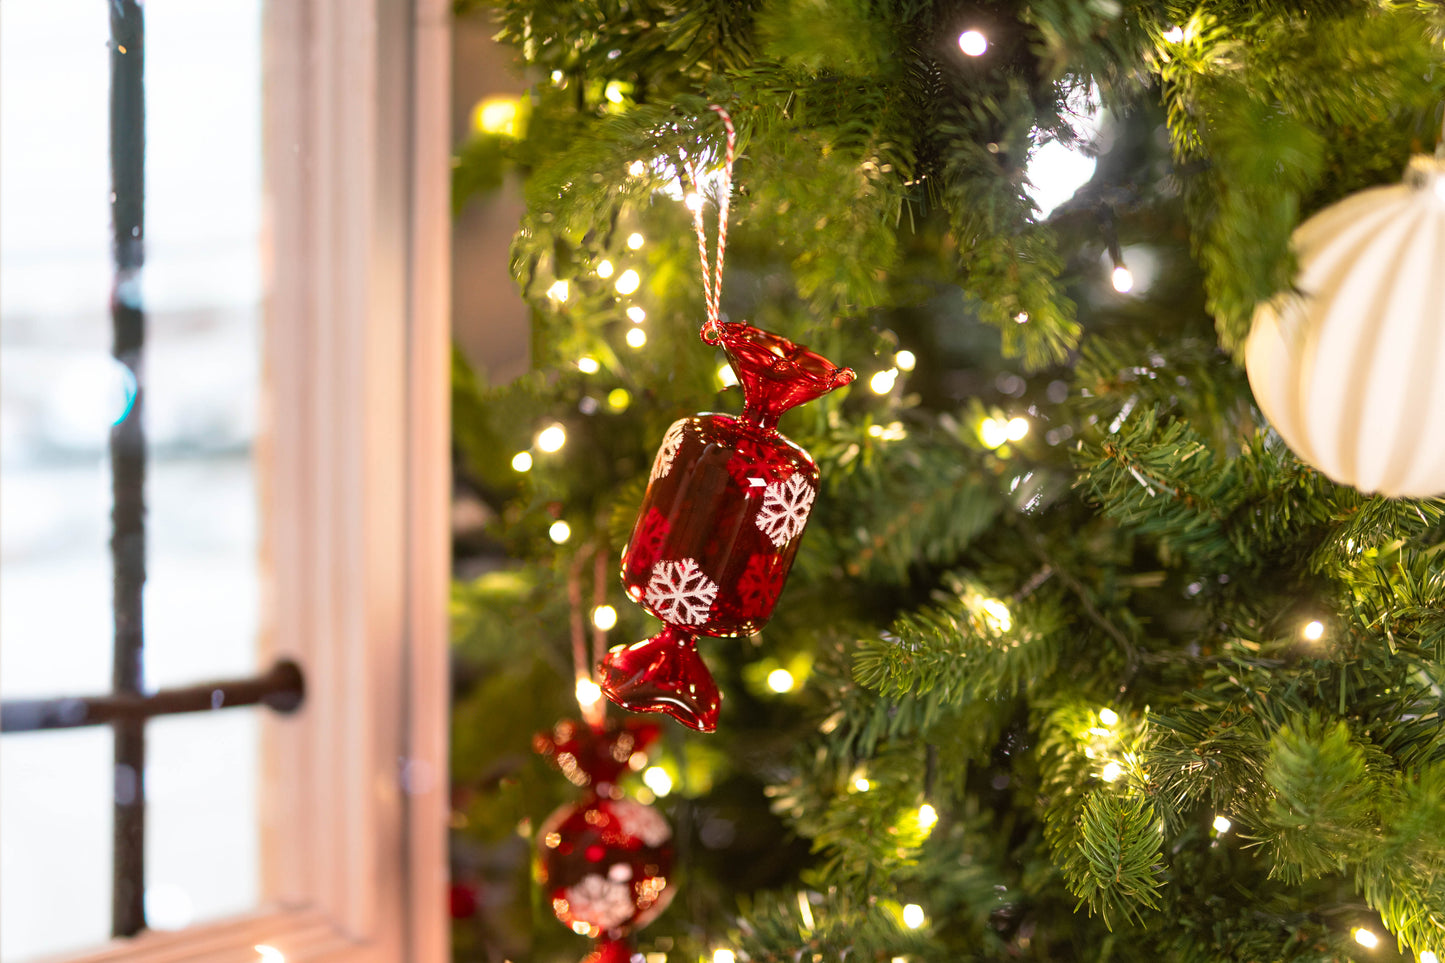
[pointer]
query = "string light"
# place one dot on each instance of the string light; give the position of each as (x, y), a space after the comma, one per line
(658, 780)
(992, 432)
(604, 617)
(588, 365)
(552, 438)
(618, 399)
(1222, 824)
(497, 115)
(636, 337)
(613, 92)
(996, 615)
(637, 168)
(558, 291)
(636, 314)
(1366, 938)
(1428, 956)
(905, 360)
(1108, 716)
(1017, 428)
(1313, 630)
(559, 532)
(1112, 772)
(522, 461)
(604, 269)
(973, 43)
(693, 202)
(780, 680)
(635, 241)
(861, 784)
(628, 281)
(1021, 318)
(1174, 34)
(1123, 279)
(588, 692)
(913, 916)
(927, 816)
(882, 382)
(723, 956)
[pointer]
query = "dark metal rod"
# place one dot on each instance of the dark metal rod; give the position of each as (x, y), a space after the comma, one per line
(128, 456)
(282, 688)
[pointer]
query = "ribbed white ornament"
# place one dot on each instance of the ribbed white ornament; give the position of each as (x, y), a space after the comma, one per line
(1350, 369)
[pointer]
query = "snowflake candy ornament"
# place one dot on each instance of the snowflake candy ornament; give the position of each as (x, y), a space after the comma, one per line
(604, 865)
(718, 528)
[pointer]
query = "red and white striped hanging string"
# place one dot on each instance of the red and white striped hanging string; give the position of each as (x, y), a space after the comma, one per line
(712, 274)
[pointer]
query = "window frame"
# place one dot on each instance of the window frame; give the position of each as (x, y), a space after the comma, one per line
(354, 472)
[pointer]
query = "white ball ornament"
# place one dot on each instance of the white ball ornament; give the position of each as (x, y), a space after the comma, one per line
(1350, 368)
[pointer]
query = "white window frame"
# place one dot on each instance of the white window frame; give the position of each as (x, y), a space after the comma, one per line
(355, 478)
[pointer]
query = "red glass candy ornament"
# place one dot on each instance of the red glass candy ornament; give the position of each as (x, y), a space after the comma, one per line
(595, 756)
(718, 527)
(605, 866)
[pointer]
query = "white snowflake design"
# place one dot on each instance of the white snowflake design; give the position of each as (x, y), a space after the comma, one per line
(641, 821)
(671, 442)
(680, 593)
(601, 901)
(785, 508)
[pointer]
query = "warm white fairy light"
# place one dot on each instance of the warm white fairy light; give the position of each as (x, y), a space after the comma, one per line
(637, 168)
(1021, 318)
(618, 399)
(635, 241)
(992, 432)
(1174, 34)
(1108, 716)
(604, 268)
(552, 438)
(693, 202)
(497, 115)
(1123, 279)
(1017, 428)
(588, 365)
(522, 461)
(1428, 956)
(905, 360)
(613, 92)
(727, 375)
(723, 956)
(1366, 938)
(913, 916)
(558, 291)
(636, 337)
(589, 693)
(628, 281)
(1112, 772)
(1313, 630)
(781, 680)
(604, 617)
(559, 532)
(861, 784)
(927, 816)
(636, 315)
(973, 43)
(882, 382)
(996, 615)
(1222, 824)
(658, 780)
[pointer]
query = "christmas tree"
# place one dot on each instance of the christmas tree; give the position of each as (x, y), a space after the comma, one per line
(1076, 661)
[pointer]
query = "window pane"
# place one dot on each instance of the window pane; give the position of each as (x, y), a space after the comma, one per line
(54, 842)
(201, 290)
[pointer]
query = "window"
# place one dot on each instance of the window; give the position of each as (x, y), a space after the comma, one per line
(350, 475)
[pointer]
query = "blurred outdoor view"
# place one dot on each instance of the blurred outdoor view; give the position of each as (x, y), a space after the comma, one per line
(60, 392)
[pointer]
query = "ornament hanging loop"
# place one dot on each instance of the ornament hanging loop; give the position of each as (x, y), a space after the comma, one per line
(712, 273)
